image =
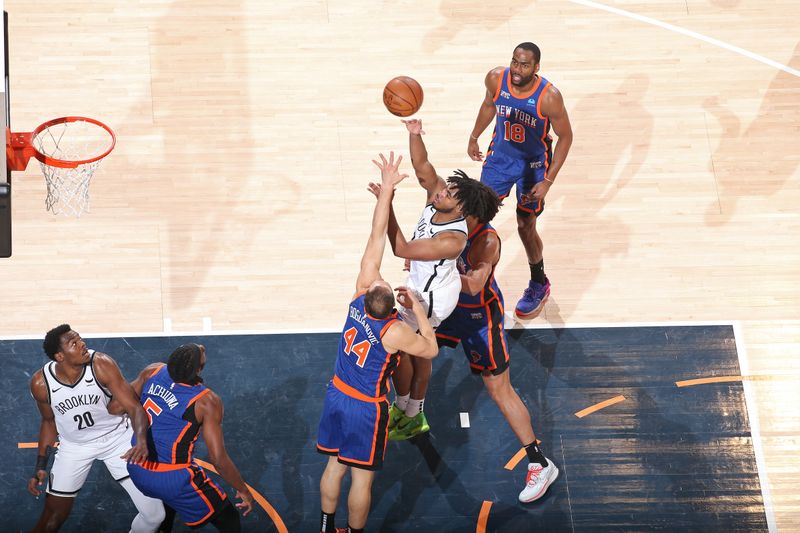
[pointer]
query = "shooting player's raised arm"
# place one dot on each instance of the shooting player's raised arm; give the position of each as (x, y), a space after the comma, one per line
(373, 254)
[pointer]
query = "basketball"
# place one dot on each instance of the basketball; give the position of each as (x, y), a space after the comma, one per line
(402, 96)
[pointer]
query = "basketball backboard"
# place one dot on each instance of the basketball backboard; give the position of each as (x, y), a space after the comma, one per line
(5, 173)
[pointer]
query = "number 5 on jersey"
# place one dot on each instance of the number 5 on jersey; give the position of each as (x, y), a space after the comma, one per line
(361, 349)
(152, 409)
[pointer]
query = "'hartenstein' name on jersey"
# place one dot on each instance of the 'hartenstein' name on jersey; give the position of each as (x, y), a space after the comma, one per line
(520, 116)
(161, 392)
(356, 315)
(79, 400)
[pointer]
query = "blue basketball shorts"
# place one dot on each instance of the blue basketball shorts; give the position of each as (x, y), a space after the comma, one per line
(353, 429)
(501, 172)
(185, 488)
(482, 335)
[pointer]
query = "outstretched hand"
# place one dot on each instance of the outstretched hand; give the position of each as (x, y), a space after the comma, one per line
(405, 297)
(246, 505)
(137, 454)
(374, 188)
(414, 126)
(390, 173)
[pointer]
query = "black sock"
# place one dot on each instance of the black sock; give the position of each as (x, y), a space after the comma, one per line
(537, 272)
(326, 524)
(535, 455)
(354, 530)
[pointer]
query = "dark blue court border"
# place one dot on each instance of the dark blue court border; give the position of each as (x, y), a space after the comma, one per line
(666, 458)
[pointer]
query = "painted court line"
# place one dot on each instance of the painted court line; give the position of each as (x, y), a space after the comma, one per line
(703, 381)
(755, 427)
(598, 406)
(483, 517)
(689, 33)
(273, 514)
(514, 461)
(278, 331)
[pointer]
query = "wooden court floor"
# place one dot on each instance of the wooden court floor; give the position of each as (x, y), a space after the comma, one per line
(235, 199)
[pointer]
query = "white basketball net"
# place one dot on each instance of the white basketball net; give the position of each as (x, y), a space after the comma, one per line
(68, 188)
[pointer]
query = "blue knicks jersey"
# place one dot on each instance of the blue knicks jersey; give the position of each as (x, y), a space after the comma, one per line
(363, 362)
(520, 128)
(173, 426)
(490, 290)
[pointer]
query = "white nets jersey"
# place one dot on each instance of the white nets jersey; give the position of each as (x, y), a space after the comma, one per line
(81, 410)
(431, 275)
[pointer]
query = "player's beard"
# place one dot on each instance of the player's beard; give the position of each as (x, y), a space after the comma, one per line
(523, 81)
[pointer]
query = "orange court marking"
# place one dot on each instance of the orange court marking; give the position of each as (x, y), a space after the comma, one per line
(598, 406)
(483, 517)
(273, 514)
(276, 518)
(514, 461)
(703, 381)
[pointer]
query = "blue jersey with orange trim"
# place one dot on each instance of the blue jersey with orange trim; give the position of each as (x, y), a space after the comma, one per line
(490, 290)
(363, 362)
(170, 408)
(520, 129)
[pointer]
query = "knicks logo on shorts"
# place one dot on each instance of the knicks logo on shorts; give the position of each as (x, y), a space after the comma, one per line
(475, 356)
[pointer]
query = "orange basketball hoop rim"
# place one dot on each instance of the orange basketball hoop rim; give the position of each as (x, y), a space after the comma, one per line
(21, 147)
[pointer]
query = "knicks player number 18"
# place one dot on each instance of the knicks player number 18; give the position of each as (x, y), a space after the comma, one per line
(361, 349)
(514, 132)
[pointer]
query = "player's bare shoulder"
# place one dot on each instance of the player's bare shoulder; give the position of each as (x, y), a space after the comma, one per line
(209, 401)
(392, 336)
(493, 78)
(552, 101)
(39, 386)
(105, 368)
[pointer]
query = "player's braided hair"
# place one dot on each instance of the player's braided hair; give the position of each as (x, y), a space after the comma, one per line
(52, 340)
(183, 364)
(476, 199)
(530, 47)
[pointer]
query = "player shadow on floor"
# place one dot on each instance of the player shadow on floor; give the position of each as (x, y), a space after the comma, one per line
(755, 161)
(426, 479)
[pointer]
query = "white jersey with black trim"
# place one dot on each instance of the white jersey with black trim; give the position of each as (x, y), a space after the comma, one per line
(430, 275)
(81, 410)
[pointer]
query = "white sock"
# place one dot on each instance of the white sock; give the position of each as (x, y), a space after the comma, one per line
(402, 401)
(414, 407)
(151, 510)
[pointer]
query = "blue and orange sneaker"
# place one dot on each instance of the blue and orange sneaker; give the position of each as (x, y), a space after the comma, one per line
(533, 299)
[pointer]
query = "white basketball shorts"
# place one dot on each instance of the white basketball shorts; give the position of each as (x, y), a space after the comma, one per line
(73, 461)
(438, 303)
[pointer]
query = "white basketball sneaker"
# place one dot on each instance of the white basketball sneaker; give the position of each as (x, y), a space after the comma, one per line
(537, 481)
